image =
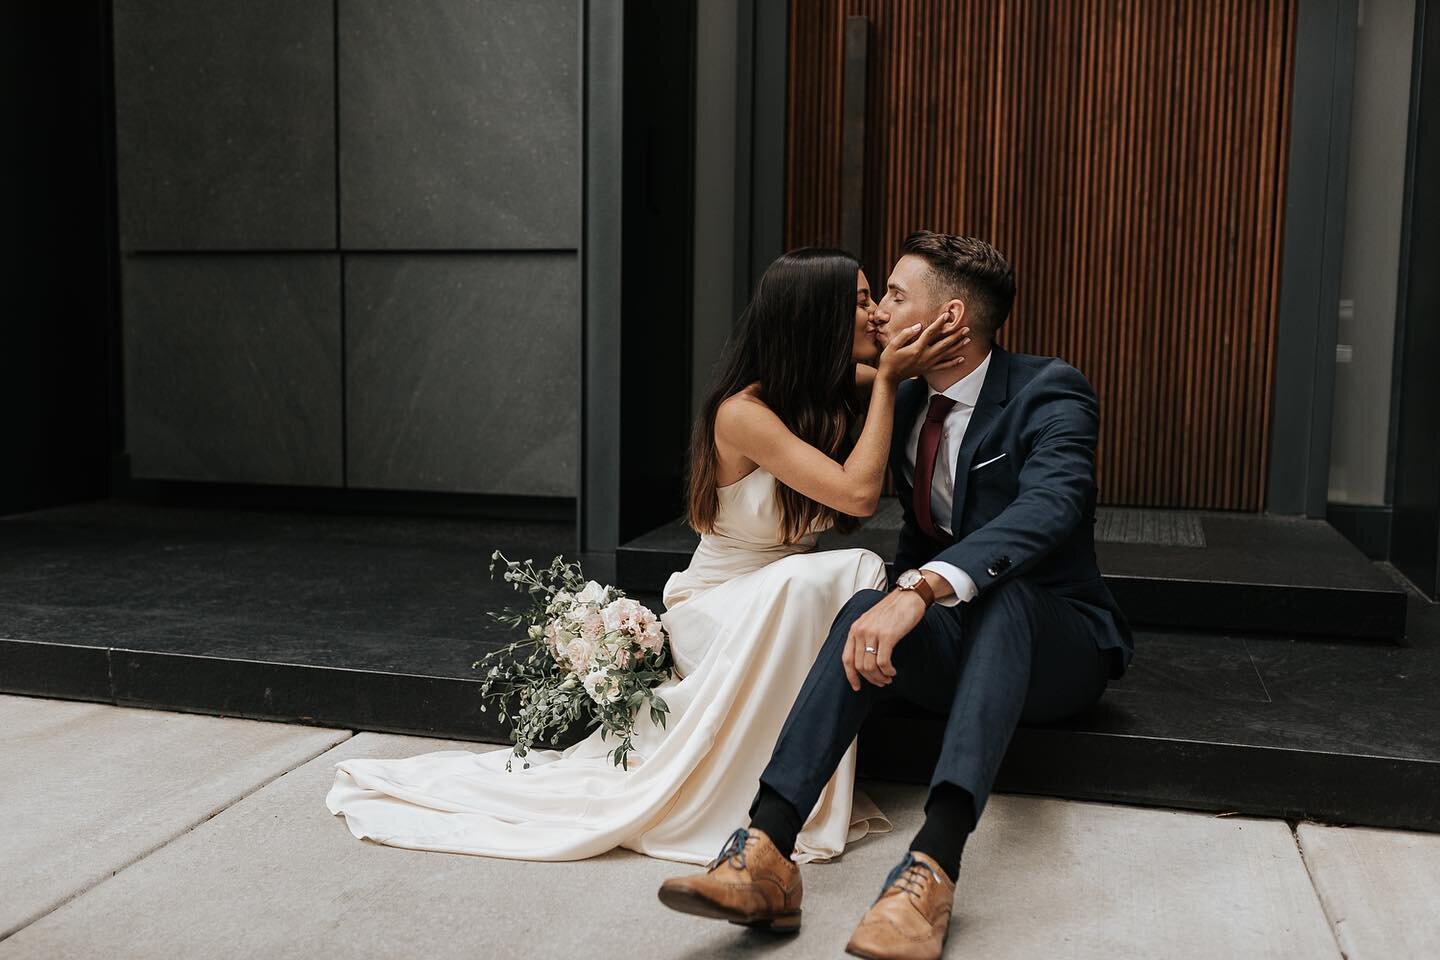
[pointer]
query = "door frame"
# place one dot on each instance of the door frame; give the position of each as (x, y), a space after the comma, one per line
(1303, 400)
(1313, 229)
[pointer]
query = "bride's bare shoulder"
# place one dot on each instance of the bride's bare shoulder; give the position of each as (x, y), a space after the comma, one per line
(738, 408)
(750, 393)
(740, 417)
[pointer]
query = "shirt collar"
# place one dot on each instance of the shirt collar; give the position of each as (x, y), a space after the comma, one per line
(966, 390)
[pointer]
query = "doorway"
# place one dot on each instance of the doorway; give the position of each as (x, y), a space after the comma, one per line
(1128, 159)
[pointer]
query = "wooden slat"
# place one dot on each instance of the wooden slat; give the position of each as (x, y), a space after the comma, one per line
(852, 139)
(1127, 156)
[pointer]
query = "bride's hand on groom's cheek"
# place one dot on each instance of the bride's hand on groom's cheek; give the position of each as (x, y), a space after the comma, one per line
(871, 645)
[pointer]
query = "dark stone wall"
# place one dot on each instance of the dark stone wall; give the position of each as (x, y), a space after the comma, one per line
(459, 125)
(349, 247)
(56, 254)
(226, 124)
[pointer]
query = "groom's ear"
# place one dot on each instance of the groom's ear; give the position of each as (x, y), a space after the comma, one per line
(954, 310)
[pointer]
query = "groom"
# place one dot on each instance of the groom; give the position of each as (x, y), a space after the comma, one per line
(1000, 616)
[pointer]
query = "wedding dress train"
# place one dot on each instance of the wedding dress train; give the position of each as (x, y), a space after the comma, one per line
(746, 620)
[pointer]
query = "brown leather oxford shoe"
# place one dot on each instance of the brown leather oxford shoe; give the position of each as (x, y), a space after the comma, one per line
(911, 917)
(750, 882)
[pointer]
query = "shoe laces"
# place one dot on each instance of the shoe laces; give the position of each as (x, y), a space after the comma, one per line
(734, 850)
(907, 875)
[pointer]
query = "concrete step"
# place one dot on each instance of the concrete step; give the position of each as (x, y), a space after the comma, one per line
(1331, 731)
(372, 623)
(1169, 569)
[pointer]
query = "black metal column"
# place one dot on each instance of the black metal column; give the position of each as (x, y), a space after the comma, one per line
(1415, 540)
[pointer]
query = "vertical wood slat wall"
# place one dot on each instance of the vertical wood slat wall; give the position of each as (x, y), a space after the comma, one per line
(1127, 157)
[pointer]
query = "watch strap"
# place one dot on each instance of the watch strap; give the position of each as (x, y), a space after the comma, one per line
(922, 587)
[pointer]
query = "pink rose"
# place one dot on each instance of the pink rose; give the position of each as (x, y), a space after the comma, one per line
(579, 652)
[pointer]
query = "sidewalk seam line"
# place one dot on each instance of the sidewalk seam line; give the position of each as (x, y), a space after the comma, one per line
(145, 854)
(1319, 899)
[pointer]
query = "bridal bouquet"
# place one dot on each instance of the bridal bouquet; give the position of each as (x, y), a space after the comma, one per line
(589, 651)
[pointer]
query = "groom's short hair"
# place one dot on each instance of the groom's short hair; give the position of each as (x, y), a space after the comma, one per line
(967, 269)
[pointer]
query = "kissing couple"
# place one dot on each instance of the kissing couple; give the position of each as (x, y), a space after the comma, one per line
(999, 617)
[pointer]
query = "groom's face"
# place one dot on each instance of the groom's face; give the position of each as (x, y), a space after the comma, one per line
(909, 299)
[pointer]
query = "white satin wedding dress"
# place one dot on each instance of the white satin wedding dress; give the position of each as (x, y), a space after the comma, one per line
(746, 620)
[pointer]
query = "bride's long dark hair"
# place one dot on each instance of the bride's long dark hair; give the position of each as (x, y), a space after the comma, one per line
(796, 339)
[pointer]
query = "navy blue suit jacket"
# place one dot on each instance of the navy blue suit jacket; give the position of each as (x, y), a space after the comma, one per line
(1030, 511)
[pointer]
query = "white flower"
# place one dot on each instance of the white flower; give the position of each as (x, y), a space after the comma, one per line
(554, 642)
(601, 686)
(653, 638)
(593, 593)
(620, 615)
(579, 652)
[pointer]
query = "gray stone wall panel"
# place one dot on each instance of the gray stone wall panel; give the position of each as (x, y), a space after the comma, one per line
(460, 124)
(232, 368)
(463, 372)
(225, 124)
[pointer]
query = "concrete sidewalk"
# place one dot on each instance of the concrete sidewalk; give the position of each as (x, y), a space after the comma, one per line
(134, 833)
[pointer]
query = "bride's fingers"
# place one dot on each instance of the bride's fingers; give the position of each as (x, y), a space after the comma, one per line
(904, 338)
(937, 353)
(953, 359)
(946, 352)
(924, 340)
(928, 334)
(952, 339)
(950, 355)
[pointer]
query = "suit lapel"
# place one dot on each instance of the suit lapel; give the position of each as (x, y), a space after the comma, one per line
(993, 396)
(909, 398)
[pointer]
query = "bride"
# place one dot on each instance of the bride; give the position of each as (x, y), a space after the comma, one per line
(772, 465)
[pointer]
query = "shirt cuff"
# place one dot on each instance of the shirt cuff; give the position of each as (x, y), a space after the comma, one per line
(959, 580)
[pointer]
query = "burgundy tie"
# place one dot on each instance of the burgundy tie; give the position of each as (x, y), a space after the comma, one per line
(930, 435)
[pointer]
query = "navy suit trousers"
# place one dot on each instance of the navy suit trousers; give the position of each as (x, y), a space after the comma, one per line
(1017, 653)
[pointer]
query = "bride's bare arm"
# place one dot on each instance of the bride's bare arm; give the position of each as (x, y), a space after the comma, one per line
(746, 426)
(864, 378)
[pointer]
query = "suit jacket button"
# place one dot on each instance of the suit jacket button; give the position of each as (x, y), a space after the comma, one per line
(992, 571)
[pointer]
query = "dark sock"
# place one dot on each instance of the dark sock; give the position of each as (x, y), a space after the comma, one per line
(777, 817)
(949, 819)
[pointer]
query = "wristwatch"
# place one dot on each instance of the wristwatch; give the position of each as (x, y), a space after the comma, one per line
(915, 581)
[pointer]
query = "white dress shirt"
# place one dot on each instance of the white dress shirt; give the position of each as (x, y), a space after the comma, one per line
(966, 393)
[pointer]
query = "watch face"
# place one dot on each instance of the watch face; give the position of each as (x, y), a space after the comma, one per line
(908, 579)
